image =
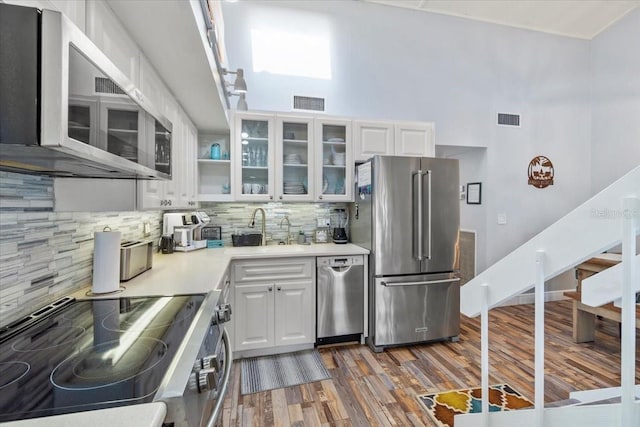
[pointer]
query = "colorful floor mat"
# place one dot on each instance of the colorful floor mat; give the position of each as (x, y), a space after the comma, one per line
(443, 406)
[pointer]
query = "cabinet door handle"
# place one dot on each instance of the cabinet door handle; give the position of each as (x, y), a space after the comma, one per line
(270, 197)
(279, 288)
(280, 197)
(320, 197)
(270, 289)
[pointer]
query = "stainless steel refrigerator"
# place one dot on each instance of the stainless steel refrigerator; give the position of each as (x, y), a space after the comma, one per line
(407, 214)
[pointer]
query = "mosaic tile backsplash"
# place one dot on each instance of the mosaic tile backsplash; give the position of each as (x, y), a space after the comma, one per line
(234, 217)
(46, 254)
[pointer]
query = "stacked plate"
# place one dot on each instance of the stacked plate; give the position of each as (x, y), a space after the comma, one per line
(292, 159)
(294, 188)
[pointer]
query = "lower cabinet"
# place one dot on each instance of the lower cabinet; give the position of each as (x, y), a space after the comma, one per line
(274, 303)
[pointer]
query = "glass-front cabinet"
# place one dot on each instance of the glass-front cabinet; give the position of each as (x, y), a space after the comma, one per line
(294, 158)
(254, 139)
(334, 158)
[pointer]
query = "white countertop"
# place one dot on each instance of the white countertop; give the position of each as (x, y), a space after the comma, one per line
(202, 270)
(145, 414)
(195, 272)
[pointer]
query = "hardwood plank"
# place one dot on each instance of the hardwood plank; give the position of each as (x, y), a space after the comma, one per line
(369, 389)
(280, 408)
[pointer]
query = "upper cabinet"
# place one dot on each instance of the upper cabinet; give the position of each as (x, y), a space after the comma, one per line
(334, 160)
(110, 36)
(254, 139)
(384, 138)
(415, 139)
(292, 158)
(294, 164)
(372, 139)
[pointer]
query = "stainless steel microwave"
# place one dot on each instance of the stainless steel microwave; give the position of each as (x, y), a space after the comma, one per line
(67, 110)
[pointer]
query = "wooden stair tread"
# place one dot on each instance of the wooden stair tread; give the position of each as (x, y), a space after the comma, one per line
(575, 295)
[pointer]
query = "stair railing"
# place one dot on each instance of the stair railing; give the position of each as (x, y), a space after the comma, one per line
(557, 249)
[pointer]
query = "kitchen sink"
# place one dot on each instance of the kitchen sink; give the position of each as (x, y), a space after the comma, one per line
(246, 239)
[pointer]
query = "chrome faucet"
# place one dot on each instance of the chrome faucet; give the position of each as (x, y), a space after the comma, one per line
(252, 224)
(286, 218)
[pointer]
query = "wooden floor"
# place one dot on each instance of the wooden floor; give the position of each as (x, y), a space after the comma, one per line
(369, 389)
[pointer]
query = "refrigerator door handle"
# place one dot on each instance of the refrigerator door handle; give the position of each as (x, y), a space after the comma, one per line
(418, 215)
(420, 283)
(428, 173)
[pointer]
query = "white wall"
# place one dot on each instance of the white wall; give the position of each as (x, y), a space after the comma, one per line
(393, 63)
(615, 126)
(473, 168)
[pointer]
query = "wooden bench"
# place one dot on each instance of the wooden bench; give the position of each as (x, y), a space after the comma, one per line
(584, 316)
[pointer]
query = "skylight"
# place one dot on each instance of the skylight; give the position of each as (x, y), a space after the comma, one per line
(291, 54)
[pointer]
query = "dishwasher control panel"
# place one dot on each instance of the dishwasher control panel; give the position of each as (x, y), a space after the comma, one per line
(340, 261)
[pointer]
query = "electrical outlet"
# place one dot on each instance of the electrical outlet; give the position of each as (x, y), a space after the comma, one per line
(502, 218)
(323, 222)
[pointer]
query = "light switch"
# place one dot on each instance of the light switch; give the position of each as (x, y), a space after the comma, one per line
(502, 218)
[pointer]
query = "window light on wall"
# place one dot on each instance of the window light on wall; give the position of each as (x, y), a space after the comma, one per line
(291, 54)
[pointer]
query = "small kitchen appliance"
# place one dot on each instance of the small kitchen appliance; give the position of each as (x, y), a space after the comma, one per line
(170, 221)
(184, 228)
(135, 258)
(341, 219)
(167, 245)
(81, 355)
(53, 128)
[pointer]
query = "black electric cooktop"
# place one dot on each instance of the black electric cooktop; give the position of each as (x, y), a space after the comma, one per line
(91, 355)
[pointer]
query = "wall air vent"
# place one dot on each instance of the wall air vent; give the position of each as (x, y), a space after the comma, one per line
(105, 85)
(505, 119)
(308, 103)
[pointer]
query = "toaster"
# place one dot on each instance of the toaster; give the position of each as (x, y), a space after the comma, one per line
(135, 258)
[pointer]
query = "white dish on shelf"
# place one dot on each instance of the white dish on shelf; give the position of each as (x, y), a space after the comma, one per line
(335, 140)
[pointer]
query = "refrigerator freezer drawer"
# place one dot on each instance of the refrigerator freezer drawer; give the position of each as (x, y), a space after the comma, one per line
(412, 309)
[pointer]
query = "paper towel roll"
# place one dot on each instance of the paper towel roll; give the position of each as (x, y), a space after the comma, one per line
(106, 261)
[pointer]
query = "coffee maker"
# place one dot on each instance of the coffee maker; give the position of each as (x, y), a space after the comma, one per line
(340, 221)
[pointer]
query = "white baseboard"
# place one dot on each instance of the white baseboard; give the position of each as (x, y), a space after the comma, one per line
(529, 298)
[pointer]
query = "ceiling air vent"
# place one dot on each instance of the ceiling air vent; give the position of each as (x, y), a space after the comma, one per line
(505, 119)
(105, 85)
(308, 103)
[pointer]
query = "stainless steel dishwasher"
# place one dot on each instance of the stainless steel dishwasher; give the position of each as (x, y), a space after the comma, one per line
(340, 311)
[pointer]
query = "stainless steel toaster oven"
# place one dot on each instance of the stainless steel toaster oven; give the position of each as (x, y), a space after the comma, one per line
(135, 258)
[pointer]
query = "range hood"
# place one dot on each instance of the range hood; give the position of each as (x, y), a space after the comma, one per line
(65, 108)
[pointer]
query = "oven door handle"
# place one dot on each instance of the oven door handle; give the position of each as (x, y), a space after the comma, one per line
(213, 419)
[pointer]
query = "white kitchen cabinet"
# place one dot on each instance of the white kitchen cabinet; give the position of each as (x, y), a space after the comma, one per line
(274, 304)
(372, 139)
(109, 35)
(293, 323)
(73, 9)
(188, 181)
(294, 163)
(383, 138)
(215, 180)
(180, 191)
(253, 136)
(253, 315)
(334, 160)
(415, 139)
